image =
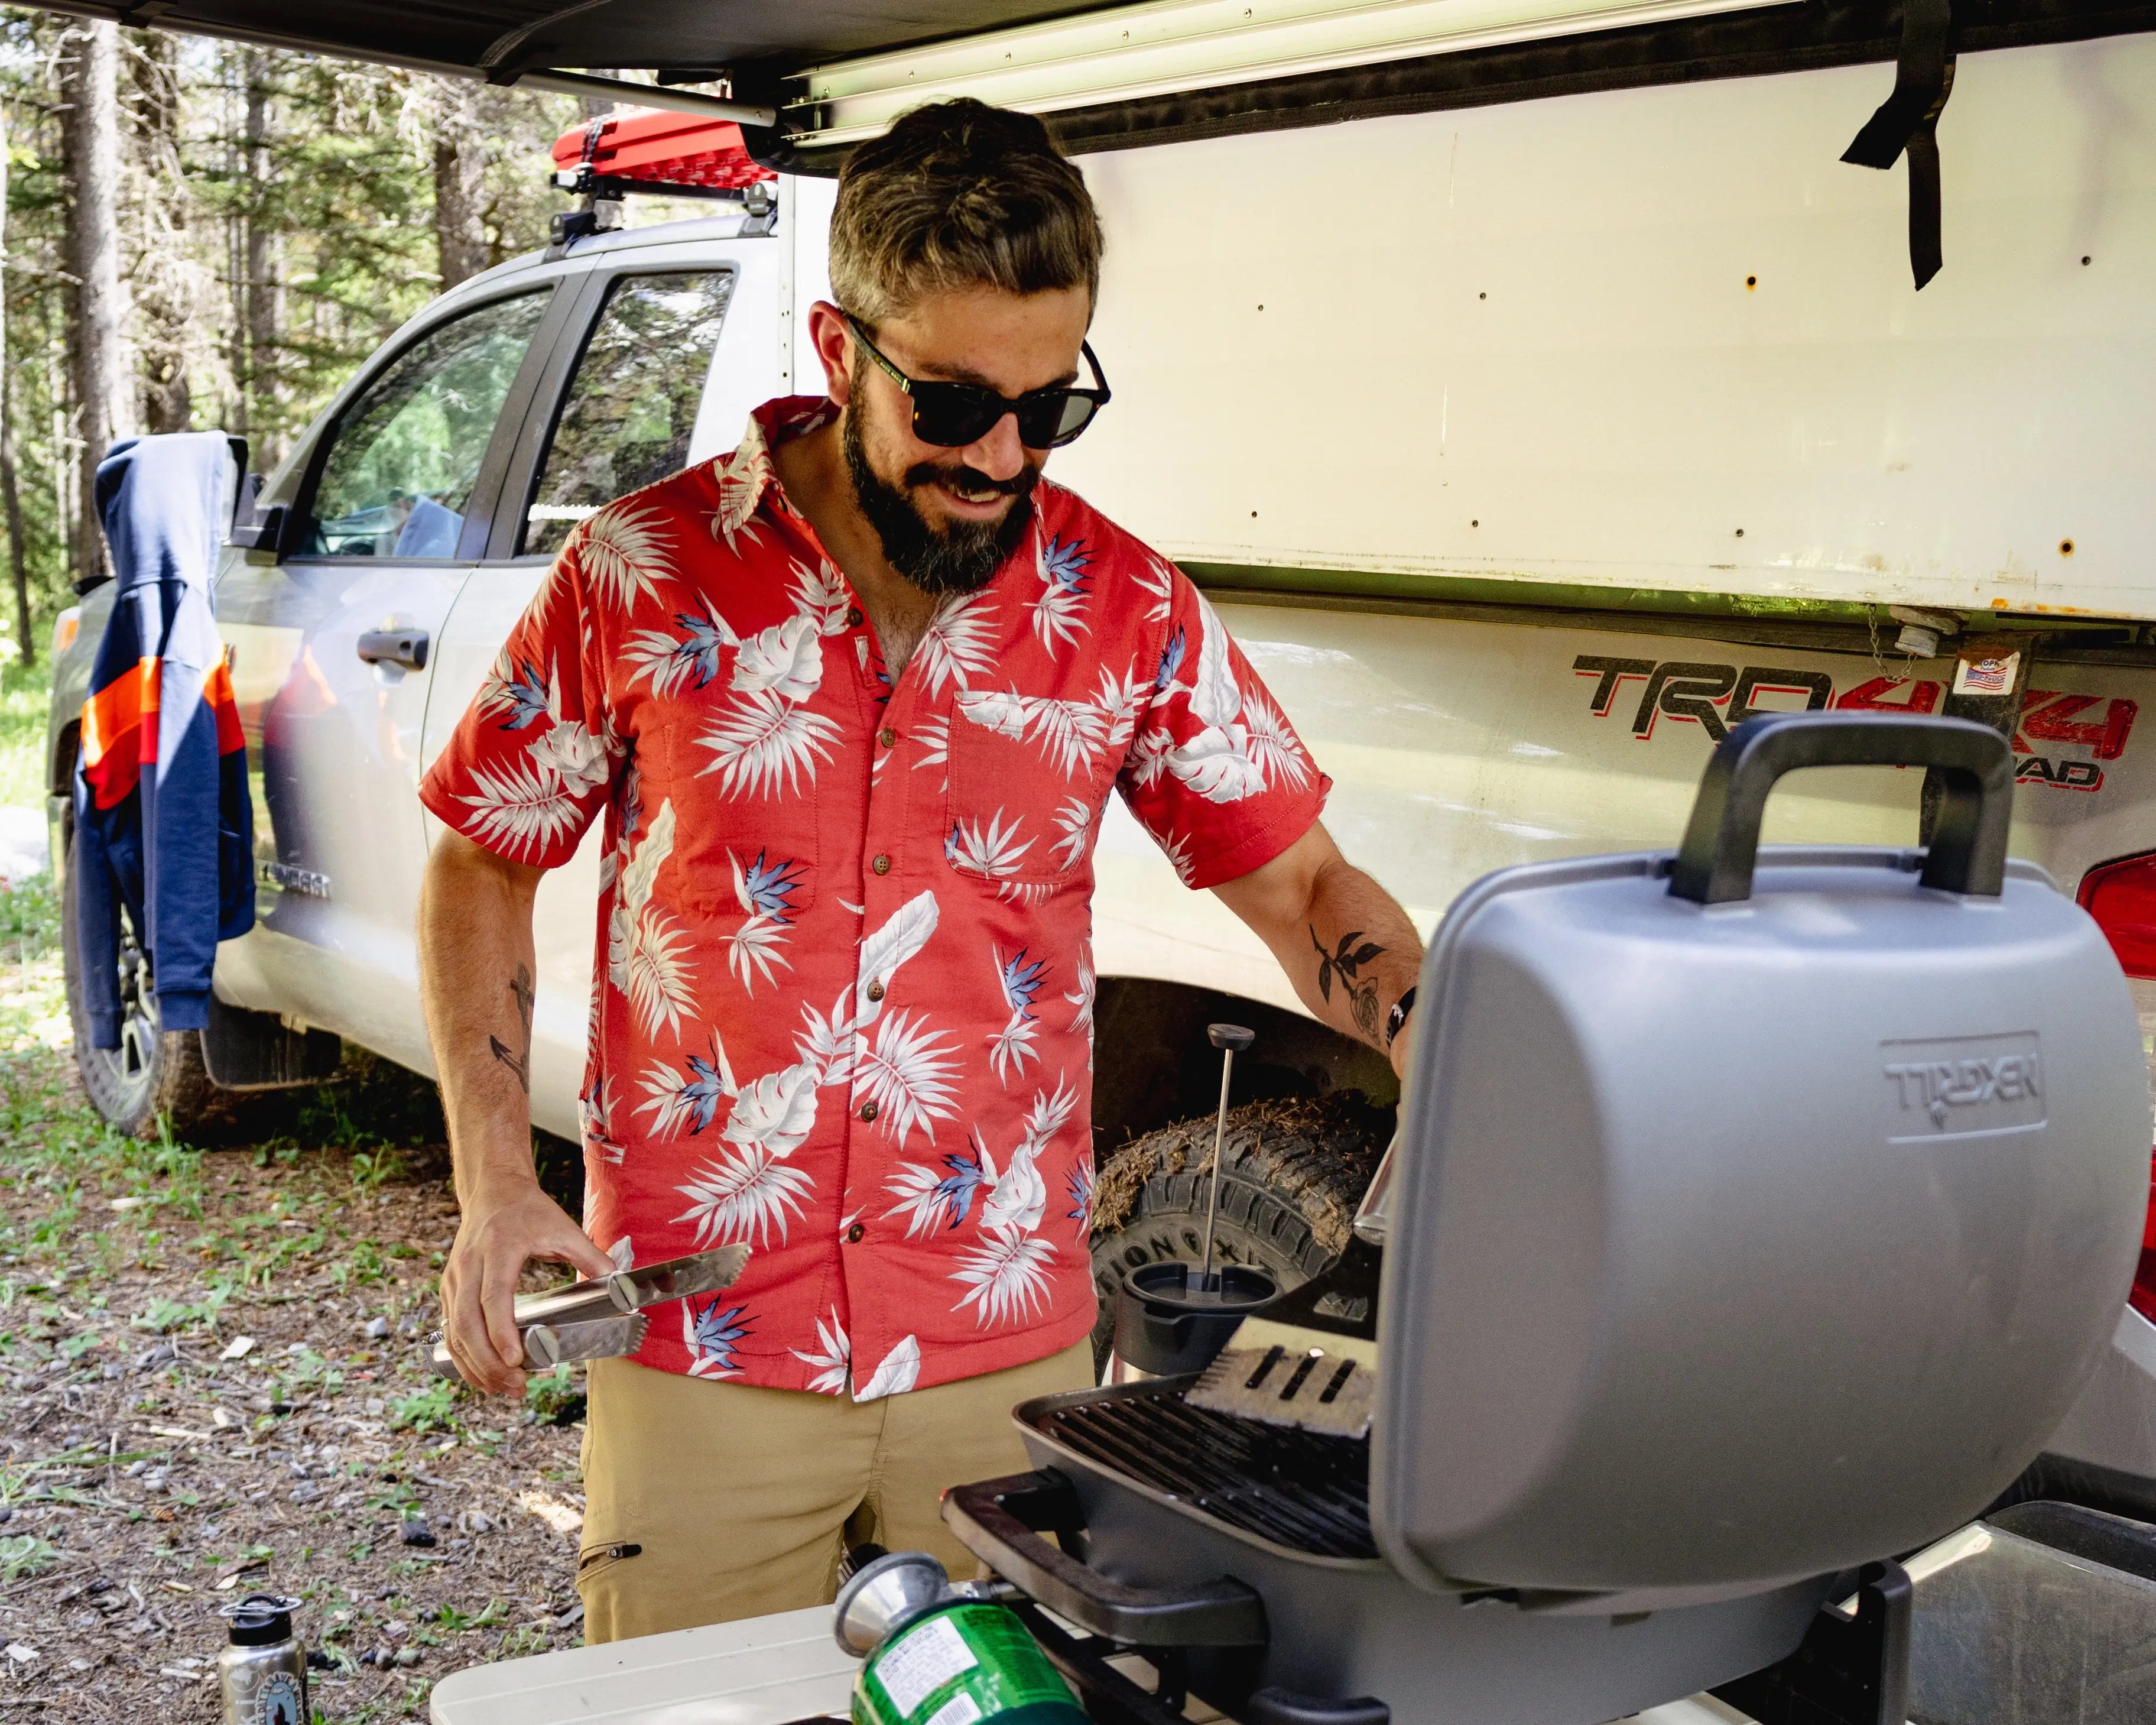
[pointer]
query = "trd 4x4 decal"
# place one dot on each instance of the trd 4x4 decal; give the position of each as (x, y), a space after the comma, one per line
(1715, 696)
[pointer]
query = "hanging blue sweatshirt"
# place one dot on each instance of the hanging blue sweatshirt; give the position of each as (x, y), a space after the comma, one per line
(162, 823)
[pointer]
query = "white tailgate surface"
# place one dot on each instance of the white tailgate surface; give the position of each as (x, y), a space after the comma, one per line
(762, 1670)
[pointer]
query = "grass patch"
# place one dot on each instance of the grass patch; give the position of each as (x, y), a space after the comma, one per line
(25, 1554)
(24, 697)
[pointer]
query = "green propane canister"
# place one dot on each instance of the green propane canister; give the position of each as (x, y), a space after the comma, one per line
(962, 1663)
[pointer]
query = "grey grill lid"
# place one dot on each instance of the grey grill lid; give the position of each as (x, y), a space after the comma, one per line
(1749, 1238)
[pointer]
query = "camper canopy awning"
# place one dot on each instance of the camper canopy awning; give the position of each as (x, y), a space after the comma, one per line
(807, 78)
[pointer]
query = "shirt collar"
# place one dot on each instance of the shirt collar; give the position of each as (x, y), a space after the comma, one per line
(777, 422)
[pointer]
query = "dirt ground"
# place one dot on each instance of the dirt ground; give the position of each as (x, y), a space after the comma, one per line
(211, 1383)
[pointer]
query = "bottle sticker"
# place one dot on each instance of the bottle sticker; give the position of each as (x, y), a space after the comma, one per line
(961, 1709)
(923, 1662)
(279, 1701)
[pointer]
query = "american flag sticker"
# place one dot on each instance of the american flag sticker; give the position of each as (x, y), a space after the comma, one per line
(1992, 674)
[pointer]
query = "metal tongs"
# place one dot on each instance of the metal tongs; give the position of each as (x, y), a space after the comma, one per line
(605, 1319)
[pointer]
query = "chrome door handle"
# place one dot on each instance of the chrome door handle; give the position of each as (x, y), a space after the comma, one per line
(407, 647)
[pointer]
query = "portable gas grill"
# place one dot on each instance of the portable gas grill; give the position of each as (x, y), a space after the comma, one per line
(1756, 1217)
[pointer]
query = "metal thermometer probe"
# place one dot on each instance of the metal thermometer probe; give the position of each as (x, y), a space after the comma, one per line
(1231, 1040)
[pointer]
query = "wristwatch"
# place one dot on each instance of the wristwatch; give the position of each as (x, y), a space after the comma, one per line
(1398, 1016)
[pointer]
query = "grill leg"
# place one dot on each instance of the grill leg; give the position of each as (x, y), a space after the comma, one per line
(1847, 1670)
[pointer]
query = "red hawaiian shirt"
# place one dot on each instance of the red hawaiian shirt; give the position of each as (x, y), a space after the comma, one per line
(843, 996)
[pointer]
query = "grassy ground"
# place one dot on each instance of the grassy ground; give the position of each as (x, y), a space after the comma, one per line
(210, 1382)
(23, 734)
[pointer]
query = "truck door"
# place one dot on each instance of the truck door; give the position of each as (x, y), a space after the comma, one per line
(334, 649)
(633, 409)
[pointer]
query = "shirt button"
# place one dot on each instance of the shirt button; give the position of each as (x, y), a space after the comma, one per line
(868, 1110)
(881, 865)
(853, 616)
(874, 991)
(887, 737)
(855, 1233)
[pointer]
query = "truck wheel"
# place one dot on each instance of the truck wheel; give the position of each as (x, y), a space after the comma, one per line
(153, 1072)
(1295, 1171)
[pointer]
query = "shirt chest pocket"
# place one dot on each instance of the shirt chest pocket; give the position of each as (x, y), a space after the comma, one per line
(1027, 779)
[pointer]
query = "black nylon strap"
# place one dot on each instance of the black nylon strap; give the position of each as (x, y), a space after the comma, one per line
(1908, 120)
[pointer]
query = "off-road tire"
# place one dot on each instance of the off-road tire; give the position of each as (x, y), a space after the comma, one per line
(154, 1071)
(1295, 1171)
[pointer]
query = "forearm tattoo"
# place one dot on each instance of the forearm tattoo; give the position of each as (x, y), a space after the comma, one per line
(1346, 961)
(519, 1062)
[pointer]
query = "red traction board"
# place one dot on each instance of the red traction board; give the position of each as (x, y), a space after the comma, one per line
(660, 146)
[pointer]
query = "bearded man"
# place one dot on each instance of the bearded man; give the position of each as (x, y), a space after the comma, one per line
(851, 703)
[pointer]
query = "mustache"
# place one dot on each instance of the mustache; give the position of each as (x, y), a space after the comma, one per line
(970, 482)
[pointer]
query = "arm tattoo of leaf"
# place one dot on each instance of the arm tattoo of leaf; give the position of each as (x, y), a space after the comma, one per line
(1345, 959)
(520, 1063)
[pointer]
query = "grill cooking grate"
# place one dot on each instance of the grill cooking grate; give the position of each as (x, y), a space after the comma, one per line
(1298, 1489)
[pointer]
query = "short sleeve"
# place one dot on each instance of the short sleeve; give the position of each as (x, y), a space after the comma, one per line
(531, 762)
(1215, 772)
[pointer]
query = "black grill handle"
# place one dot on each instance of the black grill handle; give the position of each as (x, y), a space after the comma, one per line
(1968, 851)
(1001, 1522)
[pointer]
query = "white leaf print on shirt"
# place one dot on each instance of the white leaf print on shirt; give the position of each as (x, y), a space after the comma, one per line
(1018, 1199)
(787, 658)
(1008, 1274)
(624, 553)
(1058, 614)
(900, 1370)
(518, 810)
(764, 742)
(1215, 700)
(992, 850)
(647, 950)
(746, 1198)
(1075, 820)
(673, 662)
(1148, 757)
(741, 478)
(777, 1112)
(576, 756)
(821, 593)
(904, 934)
(1158, 579)
(833, 1358)
(1082, 999)
(1272, 745)
(623, 1252)
(933, 735)
(1004, 711)
(908, 1075)
(1216, 764)
(959, 643)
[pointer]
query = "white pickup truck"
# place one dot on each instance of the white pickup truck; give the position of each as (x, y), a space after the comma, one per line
(1525, 446)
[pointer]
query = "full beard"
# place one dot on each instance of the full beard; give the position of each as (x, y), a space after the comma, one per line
(958, 557)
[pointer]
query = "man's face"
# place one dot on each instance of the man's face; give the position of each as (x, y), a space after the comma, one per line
(948, 517)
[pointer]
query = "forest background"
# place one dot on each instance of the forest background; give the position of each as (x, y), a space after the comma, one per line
(203, 234)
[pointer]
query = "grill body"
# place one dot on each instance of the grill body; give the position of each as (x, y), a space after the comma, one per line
(1343, 1625)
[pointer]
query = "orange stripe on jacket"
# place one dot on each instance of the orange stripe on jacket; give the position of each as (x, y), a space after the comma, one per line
(217, 691)
(116, 741)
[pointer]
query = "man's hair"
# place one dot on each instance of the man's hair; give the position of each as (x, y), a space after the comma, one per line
(958, 194)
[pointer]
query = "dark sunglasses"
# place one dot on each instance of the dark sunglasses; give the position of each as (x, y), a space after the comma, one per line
(952, 415)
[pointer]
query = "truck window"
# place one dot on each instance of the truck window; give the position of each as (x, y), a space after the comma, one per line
(632, 404)
(406, 455)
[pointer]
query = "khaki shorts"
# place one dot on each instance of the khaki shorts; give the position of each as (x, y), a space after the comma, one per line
(706, 1501)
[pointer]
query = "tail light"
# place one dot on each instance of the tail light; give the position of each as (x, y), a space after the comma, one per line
(2121, 896)
(2143, 1299)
